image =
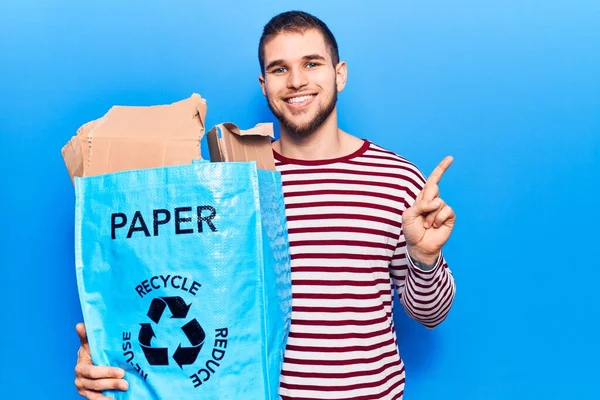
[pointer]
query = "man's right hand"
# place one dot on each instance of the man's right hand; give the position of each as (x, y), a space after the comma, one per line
(91, 380)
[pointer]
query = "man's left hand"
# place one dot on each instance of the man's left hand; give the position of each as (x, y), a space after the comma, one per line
(428, 223)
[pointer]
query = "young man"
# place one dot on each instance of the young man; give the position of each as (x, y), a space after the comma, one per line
(362, 222)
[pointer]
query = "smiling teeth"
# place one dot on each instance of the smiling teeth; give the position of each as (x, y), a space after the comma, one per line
(301, 99)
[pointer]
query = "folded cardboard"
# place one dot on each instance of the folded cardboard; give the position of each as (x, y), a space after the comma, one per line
(144, 137)
(138, 137)
(76, 153)
(83, 135)
(226, 142)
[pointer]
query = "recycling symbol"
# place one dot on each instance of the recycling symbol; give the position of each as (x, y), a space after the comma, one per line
(192, 329)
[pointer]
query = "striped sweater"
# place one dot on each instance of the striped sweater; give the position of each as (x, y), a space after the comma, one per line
(348, 257)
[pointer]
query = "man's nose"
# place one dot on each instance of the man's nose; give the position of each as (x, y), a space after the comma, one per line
(297, 78)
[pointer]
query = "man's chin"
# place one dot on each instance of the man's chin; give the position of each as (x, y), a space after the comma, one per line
(297, 126)
(299, 131)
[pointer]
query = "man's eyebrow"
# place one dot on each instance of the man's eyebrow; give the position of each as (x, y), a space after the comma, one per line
(313, 57)
(309, 57)
(274, 63)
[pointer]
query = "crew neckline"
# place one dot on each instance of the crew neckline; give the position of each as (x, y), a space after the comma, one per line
(361, 150)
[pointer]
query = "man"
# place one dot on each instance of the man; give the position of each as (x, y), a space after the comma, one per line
(361, 220)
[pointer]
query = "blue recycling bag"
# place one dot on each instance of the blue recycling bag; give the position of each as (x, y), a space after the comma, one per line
(184, 279)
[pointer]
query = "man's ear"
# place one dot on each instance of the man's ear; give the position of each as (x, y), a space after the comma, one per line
(261, 80)
(341, 75)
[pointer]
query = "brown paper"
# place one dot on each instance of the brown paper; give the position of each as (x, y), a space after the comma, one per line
(145, 137)
(76, 153)
(136, 137)
(83, 135)
(73, 157)
(226, 142)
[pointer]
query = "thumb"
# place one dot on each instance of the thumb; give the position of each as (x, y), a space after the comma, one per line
(82, 333)
(422, 207)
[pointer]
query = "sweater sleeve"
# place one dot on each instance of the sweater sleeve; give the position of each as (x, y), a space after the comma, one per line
(427, 296)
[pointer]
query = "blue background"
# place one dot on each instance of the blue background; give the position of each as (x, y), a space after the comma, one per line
(510, 88)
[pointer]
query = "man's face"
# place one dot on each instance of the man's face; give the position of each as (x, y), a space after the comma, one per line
(300, 81)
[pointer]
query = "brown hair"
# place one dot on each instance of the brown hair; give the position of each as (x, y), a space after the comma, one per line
(296, 21)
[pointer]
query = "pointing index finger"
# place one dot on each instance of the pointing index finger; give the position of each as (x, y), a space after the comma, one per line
(437, 173)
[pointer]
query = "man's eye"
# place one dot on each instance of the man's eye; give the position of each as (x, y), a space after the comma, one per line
(312, 64)
(279, 70)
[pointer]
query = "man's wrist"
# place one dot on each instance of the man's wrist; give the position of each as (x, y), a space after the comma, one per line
(425, 262)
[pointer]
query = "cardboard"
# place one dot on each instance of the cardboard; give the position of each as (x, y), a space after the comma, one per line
(136, 137)
(83, 135)
(226, 142)
(73, 157)
(145, 137)
(76, 153)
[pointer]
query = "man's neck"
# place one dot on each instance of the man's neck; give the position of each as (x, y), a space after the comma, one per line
(327, 142)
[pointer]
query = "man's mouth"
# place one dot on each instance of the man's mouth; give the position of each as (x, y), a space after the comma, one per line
(300, 100)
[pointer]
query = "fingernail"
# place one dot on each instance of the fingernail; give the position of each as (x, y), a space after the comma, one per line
(124, 385)
(426, 225)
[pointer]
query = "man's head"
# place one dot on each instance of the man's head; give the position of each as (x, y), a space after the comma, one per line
(301, 71)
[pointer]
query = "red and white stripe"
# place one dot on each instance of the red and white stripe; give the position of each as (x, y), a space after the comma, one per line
(348, 254)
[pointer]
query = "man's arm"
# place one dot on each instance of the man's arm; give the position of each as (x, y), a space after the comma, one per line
(426, 294)
(425, 284)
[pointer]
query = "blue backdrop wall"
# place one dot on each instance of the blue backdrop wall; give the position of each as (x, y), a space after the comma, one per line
(510, 88)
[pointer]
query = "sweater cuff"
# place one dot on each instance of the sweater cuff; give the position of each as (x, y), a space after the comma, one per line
(422, 272)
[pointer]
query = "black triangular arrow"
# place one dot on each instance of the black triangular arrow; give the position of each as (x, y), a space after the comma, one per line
(186, 355)
(156, 355)
(196, 336)
(146, 334)
(156, 309)
(194, 332)
(177, 306)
